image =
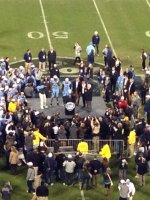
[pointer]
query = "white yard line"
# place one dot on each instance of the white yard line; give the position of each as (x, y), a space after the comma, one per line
(82, 194)
(104, 27)
(45, 24)
(148, 3)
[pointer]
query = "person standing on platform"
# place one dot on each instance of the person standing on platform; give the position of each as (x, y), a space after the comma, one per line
(51, 58)
(55, 88)
(88, 97)
(96, 41)
(76, 90)
(66, 89)
(42, 94)
(42, 59)
(28, 59)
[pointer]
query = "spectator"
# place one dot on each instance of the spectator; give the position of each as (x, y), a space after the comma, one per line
(42, 192)
(6, 191)
(13, 160)
(49, 169)
(95, 170)
(30, 178)
(131, 189)
(69, 166)
(123, 190)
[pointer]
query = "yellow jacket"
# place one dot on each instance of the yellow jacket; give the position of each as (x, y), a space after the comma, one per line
(38, 136)
(83, 147)
(132, 137)
(12, 107)
(105, 151)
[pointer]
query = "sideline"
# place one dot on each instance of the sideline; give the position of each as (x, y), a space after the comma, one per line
(45, 24)
(148, 3)
(104, 27)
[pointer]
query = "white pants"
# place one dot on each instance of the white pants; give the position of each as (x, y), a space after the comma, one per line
(42, 100)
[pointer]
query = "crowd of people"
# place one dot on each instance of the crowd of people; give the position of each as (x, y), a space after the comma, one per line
(24, 132)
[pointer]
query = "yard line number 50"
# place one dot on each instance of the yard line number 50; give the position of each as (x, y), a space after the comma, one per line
(57, 35)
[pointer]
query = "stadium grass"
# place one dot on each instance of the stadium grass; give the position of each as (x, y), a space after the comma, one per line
(126, 23)
(58, 191)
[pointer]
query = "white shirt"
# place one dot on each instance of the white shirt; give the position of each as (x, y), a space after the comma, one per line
(131, 189)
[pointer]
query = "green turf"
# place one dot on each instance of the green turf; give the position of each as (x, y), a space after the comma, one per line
(58, 191)
(126, 22)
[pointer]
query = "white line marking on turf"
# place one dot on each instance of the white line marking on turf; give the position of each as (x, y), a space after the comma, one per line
(82, 195)
(104, 27)
(45, 23)
(148, 3)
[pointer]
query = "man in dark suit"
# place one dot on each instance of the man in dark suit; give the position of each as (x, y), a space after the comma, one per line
(76, 90)
(42, 59)
(88, 97)
(28, 59)
(54, 71)
(51, 58)
(131, 90)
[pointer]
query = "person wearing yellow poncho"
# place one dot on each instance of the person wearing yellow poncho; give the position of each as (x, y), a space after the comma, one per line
(131, 142)
(38, 136)
(83, 147)
(105, 152)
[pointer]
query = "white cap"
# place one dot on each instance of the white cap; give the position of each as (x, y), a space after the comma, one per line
(30, 163)
(55, 65)
(50, 155)
(66, 79)
(36, 112)
(147, 96)
(69, 156)
(55, 77)
(96, 32)
(48, 117)
(128, 181)
(122, 181)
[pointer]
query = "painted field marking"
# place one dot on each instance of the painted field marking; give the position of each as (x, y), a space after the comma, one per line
(148, 3)
(35, 35)
(60, 34)
(104, 27)
(45, 23)
(147, 33)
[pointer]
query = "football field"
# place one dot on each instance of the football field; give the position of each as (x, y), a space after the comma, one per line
(123, 24)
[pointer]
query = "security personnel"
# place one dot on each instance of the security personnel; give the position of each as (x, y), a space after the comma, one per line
(105, 152)
(96, 41)
(83, 147)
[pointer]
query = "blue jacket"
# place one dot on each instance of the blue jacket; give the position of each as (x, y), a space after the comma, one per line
(95, 39)
(42, 56)
(89, 49)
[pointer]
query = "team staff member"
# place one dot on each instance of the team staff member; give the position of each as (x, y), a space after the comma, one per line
(28, 59)
(42, 59)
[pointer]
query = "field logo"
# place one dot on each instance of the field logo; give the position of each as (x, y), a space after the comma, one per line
(35, 35)
(60, 34)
